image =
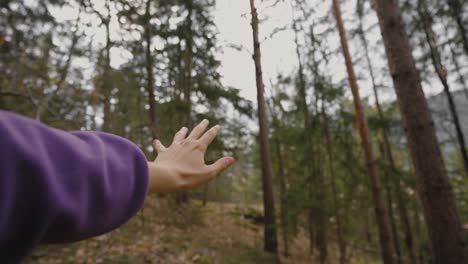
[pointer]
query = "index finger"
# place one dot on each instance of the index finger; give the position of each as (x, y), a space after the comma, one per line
(209, 136)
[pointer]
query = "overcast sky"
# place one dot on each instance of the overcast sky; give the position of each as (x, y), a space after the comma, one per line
(232, 18)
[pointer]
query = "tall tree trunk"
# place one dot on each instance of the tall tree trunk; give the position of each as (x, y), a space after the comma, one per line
(182, 197)
(336, 208)
(318, 193)
(433, 184)
(376, 186)
(456, 8)
(106, 82)
(442, 74)
(188, 65)
(149, 70)
(391, 214)
(282, 189)
(268, 200)
(282, 181)
(420, 243)
(388, 149)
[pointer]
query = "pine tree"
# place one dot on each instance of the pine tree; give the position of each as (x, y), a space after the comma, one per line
(432, 182)
(441, 71)
(387, 149)
(268, 200)
(381, 211)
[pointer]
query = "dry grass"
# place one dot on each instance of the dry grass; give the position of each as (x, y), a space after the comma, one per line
(164, 232)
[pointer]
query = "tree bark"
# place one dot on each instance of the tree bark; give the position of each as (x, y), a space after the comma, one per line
(282, 181)
(442, 74)
(106, 79)
(182, 197)
(188, 65)
(149, 70)
(391, 214)
(388, 151)
(336, 208)
(268, 200)
(380, 208)
(432, 182)
(282, 189)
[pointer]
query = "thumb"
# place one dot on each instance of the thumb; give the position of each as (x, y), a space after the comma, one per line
(220, 165)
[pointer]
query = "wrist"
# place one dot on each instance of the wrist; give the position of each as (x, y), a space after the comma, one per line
(152, 178)
(162, 179)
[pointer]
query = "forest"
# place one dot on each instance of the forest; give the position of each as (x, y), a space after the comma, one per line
(348, 121)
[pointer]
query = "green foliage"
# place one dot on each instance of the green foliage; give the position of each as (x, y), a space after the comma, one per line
(59, 72)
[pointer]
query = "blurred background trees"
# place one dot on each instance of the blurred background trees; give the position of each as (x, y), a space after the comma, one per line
(58, 66)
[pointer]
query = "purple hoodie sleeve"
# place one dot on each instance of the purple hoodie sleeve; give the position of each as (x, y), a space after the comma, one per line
(57, 186)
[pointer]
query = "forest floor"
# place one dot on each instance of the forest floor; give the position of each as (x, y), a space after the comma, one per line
(165, 233)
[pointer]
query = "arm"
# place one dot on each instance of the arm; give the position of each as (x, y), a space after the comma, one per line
(61, 187)
(57, 186)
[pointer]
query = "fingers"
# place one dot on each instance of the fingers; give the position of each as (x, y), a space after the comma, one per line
(159, 146)
(180, 135)
(197, 132)
(209, 136)
(220, 165)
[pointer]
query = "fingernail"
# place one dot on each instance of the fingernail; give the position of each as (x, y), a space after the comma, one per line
(183, 129)
(205, 121)
(217, 127)
(229, 161)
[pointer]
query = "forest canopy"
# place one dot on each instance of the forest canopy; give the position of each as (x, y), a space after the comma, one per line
(348, 119)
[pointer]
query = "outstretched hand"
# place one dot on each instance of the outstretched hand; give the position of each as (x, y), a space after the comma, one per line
(181, 166)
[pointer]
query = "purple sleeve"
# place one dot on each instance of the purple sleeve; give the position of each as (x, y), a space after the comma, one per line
(57, 186)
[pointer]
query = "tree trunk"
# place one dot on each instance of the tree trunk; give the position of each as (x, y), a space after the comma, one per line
(420, 246)
(182, 197)
(149, 70)
(388, 151)
(336, 209)
(433, 184)
(188, 65)
(282, 181)
(268, 200)
(391, 214)
(282, 189)
(106, 81)
(442, 74)
(318, 192)
(376, 186)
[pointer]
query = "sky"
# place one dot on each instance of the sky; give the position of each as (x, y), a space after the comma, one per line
(232, 18)
(233, 21)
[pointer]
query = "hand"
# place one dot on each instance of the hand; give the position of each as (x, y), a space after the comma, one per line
(182, 166)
